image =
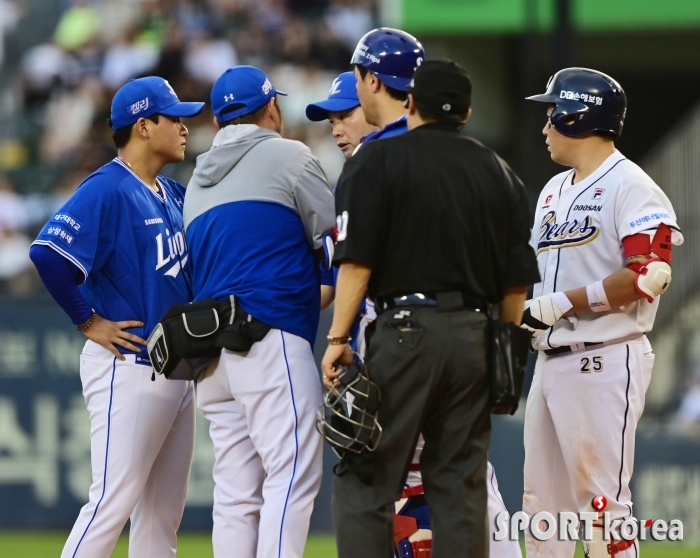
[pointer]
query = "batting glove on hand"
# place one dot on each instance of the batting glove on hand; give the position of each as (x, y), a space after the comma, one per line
(329, 239)
(543, 312)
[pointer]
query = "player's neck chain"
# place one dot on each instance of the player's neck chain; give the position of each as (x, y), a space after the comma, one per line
(157, 189)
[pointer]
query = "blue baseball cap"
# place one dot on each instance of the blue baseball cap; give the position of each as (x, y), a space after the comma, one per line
(341, 97)
(241, 90)
(146, 96)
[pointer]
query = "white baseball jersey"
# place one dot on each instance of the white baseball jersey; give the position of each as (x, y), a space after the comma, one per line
(578, 236)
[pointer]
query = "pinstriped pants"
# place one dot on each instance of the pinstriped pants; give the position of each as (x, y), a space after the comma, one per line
(580, 422)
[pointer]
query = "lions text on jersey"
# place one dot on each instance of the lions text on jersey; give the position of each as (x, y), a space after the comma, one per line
(128, 242)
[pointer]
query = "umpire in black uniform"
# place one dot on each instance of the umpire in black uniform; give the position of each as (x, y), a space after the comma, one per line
(434, 226)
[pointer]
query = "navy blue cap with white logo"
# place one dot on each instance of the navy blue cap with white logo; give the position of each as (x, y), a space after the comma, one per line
(143, 97)
(341, 97)
(240, 91)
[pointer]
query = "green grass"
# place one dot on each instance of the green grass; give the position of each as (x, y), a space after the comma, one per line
(48, 544)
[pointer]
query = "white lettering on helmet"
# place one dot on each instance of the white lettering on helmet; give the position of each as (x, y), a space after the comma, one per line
(585, 97)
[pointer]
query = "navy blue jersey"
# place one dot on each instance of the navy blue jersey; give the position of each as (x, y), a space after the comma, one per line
(128, 242)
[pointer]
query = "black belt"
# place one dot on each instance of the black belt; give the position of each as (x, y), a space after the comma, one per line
(446, 302)
(588, 346)
(568, 349)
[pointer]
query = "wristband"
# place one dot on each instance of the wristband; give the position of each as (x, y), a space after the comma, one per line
(597, 299)
(338, 340)
(86, 325)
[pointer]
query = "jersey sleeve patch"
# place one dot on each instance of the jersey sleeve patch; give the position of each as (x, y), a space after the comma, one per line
(60, 233)
(648, 220)
(68, 220)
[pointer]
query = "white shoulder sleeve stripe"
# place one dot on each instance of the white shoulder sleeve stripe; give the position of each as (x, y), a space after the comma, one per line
(64, 254)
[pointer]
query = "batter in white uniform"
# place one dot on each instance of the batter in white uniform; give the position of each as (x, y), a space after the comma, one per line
(603, 233)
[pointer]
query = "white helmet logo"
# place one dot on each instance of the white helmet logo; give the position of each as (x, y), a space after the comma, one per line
(446, 107)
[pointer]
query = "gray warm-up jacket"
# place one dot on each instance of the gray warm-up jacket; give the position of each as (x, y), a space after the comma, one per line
(255, 209)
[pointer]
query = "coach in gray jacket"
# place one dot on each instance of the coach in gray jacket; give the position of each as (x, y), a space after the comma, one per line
(255, 213)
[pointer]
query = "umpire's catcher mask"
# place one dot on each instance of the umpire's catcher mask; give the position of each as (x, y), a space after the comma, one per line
(347, 418)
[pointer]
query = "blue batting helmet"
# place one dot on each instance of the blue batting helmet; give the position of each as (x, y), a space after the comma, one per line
(391, 54)
(585, 101)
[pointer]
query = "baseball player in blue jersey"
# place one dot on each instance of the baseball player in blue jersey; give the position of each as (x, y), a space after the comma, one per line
(342, 109)
(115, 258)
(384, 62)
(255, 213)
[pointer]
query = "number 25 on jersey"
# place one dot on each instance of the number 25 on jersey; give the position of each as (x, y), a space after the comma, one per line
(595, 362)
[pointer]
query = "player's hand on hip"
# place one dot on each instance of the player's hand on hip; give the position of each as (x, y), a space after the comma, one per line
(335, 354)
(543, 312)
(108, 334)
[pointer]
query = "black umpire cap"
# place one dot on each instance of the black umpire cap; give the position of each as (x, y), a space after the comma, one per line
(441, 89)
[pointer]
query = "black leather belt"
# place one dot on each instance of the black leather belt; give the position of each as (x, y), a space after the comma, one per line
(567, 348)
(447, 301)
(588, 346)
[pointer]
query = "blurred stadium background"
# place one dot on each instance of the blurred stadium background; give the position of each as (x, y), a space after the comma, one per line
(62, 60)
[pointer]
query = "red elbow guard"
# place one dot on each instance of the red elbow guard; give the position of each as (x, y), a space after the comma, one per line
(636, 245)
(661, 244)
(640, 244)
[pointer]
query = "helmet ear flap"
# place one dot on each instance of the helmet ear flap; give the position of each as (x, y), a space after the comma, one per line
(571, 123)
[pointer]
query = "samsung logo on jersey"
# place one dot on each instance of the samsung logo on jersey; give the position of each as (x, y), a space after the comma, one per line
(588, 208)
(155, 221)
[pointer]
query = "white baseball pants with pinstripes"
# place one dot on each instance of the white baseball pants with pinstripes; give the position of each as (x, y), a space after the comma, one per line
(268, 455)
(580, 423)
(141, 443)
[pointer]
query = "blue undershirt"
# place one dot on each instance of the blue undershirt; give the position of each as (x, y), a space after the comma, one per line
(62, 278)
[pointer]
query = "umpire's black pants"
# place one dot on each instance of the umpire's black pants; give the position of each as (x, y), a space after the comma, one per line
(431, 369)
